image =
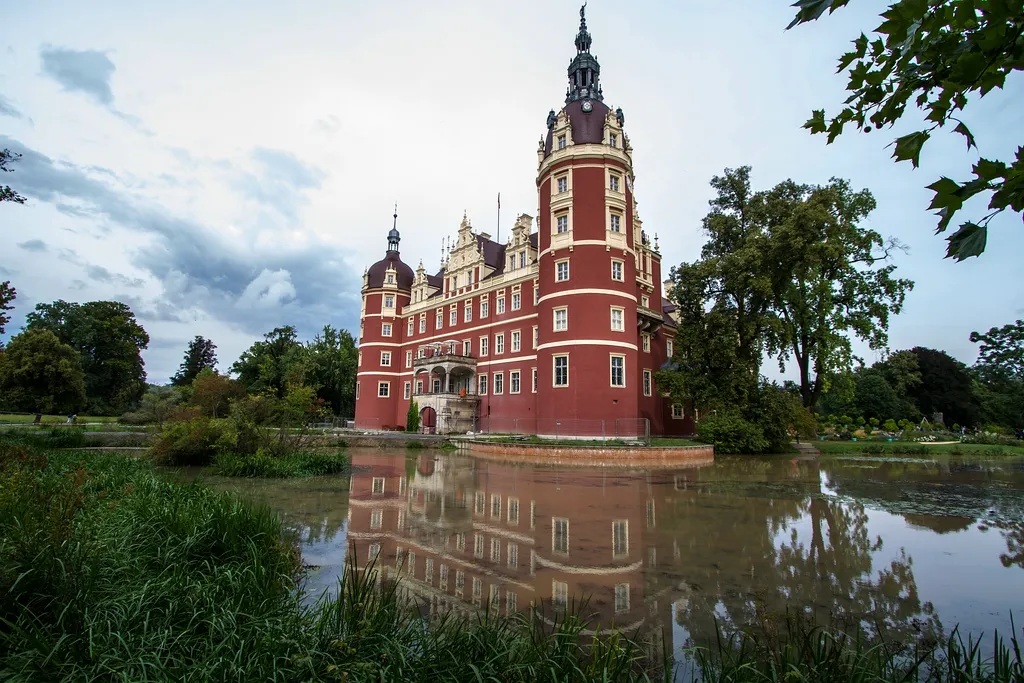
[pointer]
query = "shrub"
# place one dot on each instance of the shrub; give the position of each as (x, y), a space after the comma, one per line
(412, 418)
(890, 426)
(189, 443)
(730, 433)
(263, 464)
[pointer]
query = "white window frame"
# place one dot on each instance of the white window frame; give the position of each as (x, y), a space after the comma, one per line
(481, 384)
(613, 140)
(561, 265)
(408, 359)
(498, 384)
(648, 383)
(562, 142)
(677, 411)
(555, 521)
(484, 346)
(389, 301)
(499, 343)
(501, 305)
(645, 301)
(467, 313)
(611, 370)
(614, 182)
(485, 307)
(624, 551)
(621, 268)
(439, 319)
(453, 317)
(467, 347)
(562, 184)
(555, 321)
(517, 341)
(554, 370)
(615, 221)
(383, 389)
(385, 359)
(409, 327)
(670, 347)
(645, 339)
(517, 301)
(408, 391)
(423, 323)
(562, 224)
(533, 384)
(385, 329)
(514, 381)
(536, 336)
(620, 324)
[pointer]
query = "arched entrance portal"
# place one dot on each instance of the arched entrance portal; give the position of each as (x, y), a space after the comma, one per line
(428, 420)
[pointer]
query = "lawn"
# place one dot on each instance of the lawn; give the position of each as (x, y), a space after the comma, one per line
(914, 448)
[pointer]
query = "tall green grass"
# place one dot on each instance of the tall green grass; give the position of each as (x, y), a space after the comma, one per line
(300, 464)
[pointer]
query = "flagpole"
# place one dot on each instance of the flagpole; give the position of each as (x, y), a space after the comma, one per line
(499, 218)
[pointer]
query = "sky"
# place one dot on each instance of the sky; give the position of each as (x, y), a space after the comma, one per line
(226, 168)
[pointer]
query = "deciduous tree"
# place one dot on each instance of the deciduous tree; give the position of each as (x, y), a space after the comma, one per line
(946, 387)
(831, 279)
(935, 55)
(200, 355)
(331, 358)
(110, 343)
(40, 374)
(7, 296)
(213, 392)
(270, 365)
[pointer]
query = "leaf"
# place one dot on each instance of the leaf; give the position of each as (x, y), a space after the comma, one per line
(968, 241)
(846, 60)
(963, 130)
(816, 124)
(944, 189)
(989, 170)
(909, 147)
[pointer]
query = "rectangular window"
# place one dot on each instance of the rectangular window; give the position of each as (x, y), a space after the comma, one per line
(408, 390)
(419, 386)
(411, 563)
(510, 602)
(536, 295)
(670, 348)
(383, 389)
(484, 308)
(439, 319)
(536, 336)
(428, 571)
(617, 270)
(408, 359)
(423, 323)
(561, 142)
(483, 346)
(560, 535)
(377, 485)
(443, 580)
(479, 503)
(534, 370)
(561, 376)
(561, 271)
(460, 541)
(561, 319)
(512, 262)
(460, 581)
(645, 301)
(481, 382)
(408, 327)
(677, 411)
(501, 304)
(453, 317)
(373, 552)
(647, 382)
(478, 591)
(385, 359)
(478, 546)
(468, 312)
(650, 514)
(499, 343)
(513, 380)
(513, 510)
(385, 330)
(559, 594)
(357, 391)
(496, 506)
(615, 222)
(562, 223)
(613, 182)
(499, 382)
(563, 184)
(467, 347)
(376, 519)
(620, 538)
(621, 598)
(512, 554)
(495, 550)
(533, 514)
(522, 259)
(613, 140)
(618, 371)
(646, 341)
(516, 301)
(617, 319)
(516, 341)
(389, 301)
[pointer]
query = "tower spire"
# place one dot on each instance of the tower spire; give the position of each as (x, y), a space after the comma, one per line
(584, 71)
(393, 237)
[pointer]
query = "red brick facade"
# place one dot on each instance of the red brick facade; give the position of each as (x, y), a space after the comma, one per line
(558, 331)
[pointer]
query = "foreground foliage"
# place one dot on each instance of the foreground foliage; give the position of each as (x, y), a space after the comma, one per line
(937, 55)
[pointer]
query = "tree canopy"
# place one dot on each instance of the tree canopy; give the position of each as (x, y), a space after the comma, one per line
(38, 373)
(331, 369)
(200, 355)
(268, 366)
(7, 296)
(109, 341)
(937, 56)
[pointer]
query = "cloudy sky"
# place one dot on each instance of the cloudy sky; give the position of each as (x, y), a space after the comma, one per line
(229, 167)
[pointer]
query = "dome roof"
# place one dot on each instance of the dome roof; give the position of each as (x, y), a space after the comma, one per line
(377, 272)
(587, 126)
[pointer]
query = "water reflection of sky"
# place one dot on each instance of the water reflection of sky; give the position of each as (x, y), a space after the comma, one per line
(897, 540)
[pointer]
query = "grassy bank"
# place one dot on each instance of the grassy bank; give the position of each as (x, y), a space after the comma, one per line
(301, 464)
(912, 448)
(50, 420)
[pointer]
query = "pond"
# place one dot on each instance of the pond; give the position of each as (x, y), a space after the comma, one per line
(907, 545)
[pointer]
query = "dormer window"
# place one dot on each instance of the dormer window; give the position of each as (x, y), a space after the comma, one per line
(522, 259)
(561, 142)
(391, 279)
(613, 140)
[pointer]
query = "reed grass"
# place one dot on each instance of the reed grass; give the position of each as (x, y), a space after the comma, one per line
(300, 464)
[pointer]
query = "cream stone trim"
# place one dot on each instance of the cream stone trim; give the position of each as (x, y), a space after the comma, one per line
(467, 330)
(383, 374)
(588, 243)
(573, 292)
(587, 342)
(506, 360)
(597, 571)
(598, 151)
(504, 280)
(365, 344)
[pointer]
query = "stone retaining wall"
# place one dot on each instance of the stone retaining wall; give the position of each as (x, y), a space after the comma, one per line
(596, 455)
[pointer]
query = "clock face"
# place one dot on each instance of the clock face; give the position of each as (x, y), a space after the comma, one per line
(587, 106)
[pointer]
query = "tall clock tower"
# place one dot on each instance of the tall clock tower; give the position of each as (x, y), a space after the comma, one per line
(589, 246)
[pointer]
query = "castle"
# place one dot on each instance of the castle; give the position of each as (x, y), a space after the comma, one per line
(558, 331)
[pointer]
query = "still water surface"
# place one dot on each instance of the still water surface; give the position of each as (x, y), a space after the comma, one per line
(906, 543)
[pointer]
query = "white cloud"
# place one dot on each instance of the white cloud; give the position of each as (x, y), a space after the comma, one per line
(267, 290)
